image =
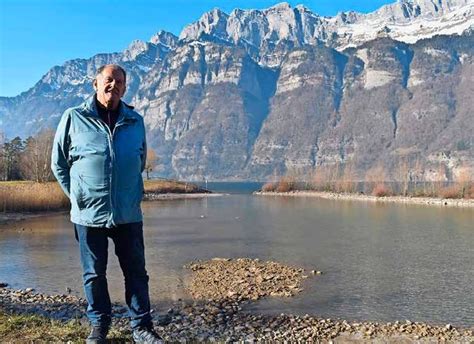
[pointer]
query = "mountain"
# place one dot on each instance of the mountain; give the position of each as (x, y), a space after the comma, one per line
(258, 93)
(262, 31)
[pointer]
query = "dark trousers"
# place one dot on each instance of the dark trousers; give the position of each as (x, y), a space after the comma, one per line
(129, 248)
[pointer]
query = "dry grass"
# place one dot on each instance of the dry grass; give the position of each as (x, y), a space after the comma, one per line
(27, 196)
(170, 186)
(33, 328)
(346, 183)
(464, 190)
(423, 192)
(469, 191)
(375, 188)
(31, 196)
(449, 192)
(323, 179)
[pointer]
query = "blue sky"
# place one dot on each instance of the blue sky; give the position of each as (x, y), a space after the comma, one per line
(36, 35)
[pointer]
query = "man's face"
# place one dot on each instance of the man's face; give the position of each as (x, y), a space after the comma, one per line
(110, 87)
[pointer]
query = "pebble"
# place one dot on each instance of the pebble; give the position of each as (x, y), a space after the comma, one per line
(243, 279)
(216, 317)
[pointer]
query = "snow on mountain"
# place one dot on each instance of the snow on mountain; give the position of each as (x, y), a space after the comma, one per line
(405, 20)
(165, 39)
(214, 109)
(409, 21)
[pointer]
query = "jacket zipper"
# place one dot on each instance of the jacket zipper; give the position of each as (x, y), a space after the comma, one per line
(110, 137)
(109, 140)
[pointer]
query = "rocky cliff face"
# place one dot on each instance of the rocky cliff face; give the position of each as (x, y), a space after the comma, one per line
(260, 93)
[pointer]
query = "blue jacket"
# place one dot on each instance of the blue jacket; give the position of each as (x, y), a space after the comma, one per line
(99, 170)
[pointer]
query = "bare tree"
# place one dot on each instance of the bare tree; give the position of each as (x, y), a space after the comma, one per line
(151, 162)
(464, 178)
(36, 158)
(403, 174)
(418, 172)
(375, 180)
(347, 182)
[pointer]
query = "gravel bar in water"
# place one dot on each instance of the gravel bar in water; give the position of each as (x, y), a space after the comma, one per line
(222, 288)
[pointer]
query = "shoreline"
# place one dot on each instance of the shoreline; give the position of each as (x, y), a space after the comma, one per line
(218, 315)
(440, 202)
(13, 217)
(156, 196)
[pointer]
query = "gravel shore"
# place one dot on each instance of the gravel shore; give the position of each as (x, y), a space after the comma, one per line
(218, 313)
(441, 202)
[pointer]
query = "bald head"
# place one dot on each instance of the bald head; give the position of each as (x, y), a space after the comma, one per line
(110, 85)
(114, 66)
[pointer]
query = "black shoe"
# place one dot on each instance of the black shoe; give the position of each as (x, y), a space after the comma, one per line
(98, 335)
(163, 319)
(146, 335)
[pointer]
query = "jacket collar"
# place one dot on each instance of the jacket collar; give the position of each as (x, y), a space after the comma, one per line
(90, 109)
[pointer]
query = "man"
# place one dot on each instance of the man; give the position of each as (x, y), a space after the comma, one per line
(99, 153)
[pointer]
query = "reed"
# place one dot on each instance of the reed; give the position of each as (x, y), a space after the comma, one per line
(28, 196)
(31, 196)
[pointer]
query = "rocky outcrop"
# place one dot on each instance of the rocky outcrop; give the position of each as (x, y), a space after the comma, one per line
(258, 93)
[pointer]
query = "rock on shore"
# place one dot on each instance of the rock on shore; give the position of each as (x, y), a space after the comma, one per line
(441, 202)
(224, 287)
(243, 279)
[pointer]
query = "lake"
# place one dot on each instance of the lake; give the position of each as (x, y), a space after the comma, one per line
(380, 262)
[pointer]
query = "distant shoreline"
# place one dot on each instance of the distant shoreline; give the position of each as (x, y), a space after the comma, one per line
(441, 202)
(152, 196)
(11, 217)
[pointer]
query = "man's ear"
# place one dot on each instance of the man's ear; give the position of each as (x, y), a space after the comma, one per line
(94, 83)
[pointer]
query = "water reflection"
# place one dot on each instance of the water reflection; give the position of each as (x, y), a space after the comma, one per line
(380, 261)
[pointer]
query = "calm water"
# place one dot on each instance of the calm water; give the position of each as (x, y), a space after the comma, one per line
(380, 262)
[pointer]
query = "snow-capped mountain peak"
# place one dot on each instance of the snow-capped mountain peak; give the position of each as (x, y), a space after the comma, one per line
(404, 20)
(166, 39)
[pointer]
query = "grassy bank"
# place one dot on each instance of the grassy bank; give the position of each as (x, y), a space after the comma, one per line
(162, 186)
(26, 328)
(28, 196)
(461, 190)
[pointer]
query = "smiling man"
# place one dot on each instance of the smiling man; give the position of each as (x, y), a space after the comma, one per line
(98, 156)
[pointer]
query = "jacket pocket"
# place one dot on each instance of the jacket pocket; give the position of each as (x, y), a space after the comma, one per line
(93, 193)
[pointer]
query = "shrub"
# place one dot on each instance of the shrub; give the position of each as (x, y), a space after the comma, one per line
(269, 187)
(285, 184)
(469, 191)
(381, 190)
(450, 192)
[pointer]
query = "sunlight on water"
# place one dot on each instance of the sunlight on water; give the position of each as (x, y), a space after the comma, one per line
(380, 262)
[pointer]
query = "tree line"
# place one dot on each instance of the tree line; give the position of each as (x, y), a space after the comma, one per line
(28, 159)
